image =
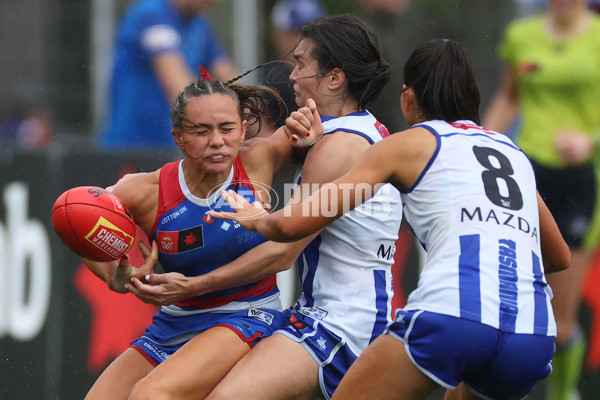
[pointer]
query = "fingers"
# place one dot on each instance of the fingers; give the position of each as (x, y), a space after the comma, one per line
(316, 117)
(307, 113)
(297, 124)
(150, 256)
(121, 276)
(234, 200)
(222, 215)
(144, 249)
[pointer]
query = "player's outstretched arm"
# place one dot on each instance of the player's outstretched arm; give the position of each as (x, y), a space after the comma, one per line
(299, 219)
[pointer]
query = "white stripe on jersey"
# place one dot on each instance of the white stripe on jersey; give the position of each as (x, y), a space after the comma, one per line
(475, 211)
(346, 270)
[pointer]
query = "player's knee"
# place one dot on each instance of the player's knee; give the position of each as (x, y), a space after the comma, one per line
(145, 389)
(219, 393)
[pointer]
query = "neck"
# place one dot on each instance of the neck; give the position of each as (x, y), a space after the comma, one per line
(337, 109)
(567, 24)
(200, 182)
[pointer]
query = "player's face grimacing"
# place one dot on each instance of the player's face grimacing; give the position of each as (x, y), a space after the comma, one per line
(213, 131)
(306, 75)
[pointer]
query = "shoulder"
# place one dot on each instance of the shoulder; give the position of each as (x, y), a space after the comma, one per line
(132, 189)
(267, 152)
(332, 156)
(363, 124)
(150, 17)
(524, 25)
(255, 150)
(144, 10)
(139, 192)
(524, 29)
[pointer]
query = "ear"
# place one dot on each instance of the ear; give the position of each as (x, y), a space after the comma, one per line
(407, 97)
(177, 136)
(335, 79)
(409, 106)
(243, 131)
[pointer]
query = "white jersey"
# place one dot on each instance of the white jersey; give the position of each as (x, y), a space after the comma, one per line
(474, 209)
(346, 270)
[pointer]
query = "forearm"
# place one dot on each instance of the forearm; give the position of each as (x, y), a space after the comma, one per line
(501, 113)
(103, 270)
(254, 265)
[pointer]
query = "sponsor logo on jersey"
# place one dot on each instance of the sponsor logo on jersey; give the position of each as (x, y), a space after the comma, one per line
(507, 273)
(261, 315)
(161, 355)
(314, 312)
(172, 242)
(109, 238)
(502, 218)
(173, 215)
(386, 253)
(383, 131)
(322, 343)
(208, 219)
(297, 324)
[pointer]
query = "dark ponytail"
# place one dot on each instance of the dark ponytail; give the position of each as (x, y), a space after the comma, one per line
(345, 42)
(441, 74)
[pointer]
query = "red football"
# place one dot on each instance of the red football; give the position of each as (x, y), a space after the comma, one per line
(93, 223)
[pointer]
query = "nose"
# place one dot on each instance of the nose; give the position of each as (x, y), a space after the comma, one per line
(293, 75)
(216, 140)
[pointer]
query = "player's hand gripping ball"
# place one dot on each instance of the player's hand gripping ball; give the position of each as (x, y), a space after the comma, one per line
(93, 223)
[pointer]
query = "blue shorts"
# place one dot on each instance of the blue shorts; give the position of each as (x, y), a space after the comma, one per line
(169, 333)
(492, 363)
(328, 349)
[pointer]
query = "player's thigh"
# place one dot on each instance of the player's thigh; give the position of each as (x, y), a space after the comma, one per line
(196, 368)
(384, 371)
(276, 368)
(120, 376)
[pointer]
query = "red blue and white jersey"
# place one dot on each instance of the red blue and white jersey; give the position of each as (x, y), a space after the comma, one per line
(192, 243)
(474, 210)
(346, 270)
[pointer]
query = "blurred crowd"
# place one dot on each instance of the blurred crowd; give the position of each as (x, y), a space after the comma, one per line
(398, 23)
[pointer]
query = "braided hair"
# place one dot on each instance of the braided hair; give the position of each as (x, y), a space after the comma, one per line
(252, 106)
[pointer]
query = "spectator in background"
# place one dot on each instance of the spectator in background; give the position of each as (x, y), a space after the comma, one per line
(287, 19)
(160, 45)
(552, 79)
(385, 18)
(28, 127)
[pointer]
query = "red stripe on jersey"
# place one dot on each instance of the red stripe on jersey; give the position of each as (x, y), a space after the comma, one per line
(169, 191)
(261, 287)
(471, 126)
(383, 131)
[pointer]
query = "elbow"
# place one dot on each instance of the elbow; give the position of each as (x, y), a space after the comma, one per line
(565, 262)
(559, 262)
